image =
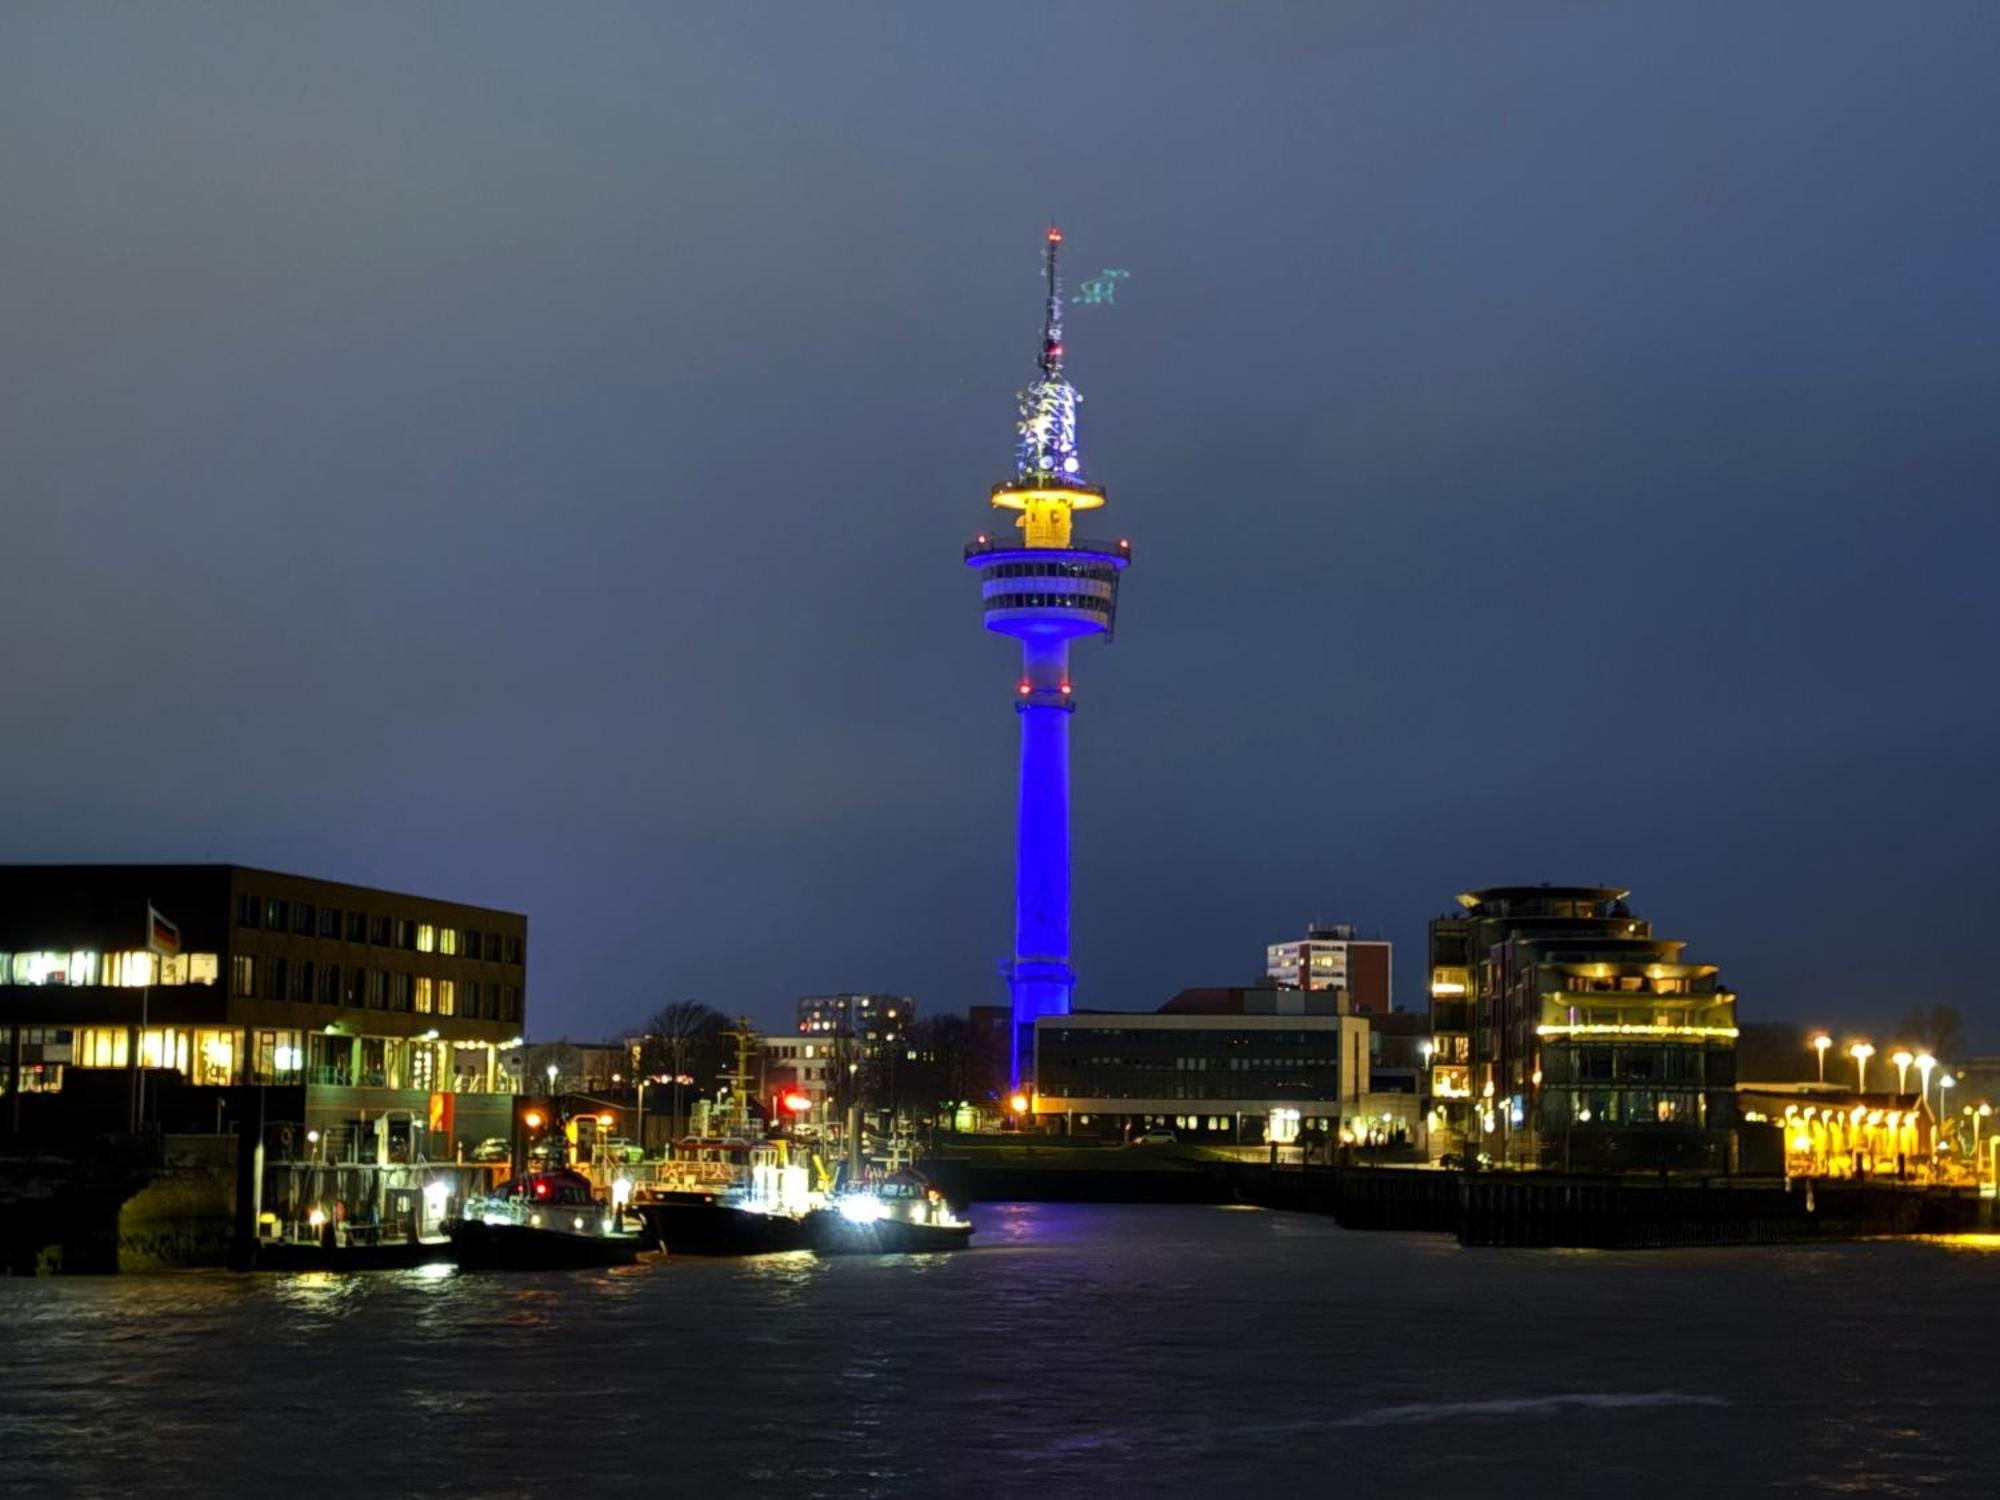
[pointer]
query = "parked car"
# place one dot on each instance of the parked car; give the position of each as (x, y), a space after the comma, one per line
(493, 1148)
(1159, 1135)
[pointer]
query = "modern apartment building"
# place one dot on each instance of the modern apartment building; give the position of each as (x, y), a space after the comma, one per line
(1564, 1033)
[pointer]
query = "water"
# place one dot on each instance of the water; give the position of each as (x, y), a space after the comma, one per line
(1080, 1350)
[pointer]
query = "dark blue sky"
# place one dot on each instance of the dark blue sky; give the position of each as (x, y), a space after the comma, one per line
(522, 454)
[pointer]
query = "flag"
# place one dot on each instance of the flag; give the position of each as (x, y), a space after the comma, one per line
(162, 936)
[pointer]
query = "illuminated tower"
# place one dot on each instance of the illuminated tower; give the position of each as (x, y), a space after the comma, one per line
(1045, 587)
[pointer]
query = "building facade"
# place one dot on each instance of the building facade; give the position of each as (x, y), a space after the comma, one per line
(875, 1021)
(351, 1005)
(1045, 587)
(1565, 1034)
(1229, 1078)
(1333, 958)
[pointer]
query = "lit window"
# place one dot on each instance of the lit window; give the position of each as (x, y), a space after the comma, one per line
(426, 938)
(424, 994)
(447, 996)
(447, 940)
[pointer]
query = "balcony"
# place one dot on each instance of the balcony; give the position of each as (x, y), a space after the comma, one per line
(985, 546)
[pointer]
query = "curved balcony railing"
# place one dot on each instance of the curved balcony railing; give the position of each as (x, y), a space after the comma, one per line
(981, 546)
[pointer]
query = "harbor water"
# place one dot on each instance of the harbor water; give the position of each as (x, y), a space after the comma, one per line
(1078, 1350)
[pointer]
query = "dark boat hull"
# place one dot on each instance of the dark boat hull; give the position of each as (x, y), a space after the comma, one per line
(697, 1226)
(478, 1246)
(834, 1234)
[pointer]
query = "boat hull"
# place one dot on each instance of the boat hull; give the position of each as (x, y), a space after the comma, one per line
(834, 1234)
(478, 1246)
(702, 1226)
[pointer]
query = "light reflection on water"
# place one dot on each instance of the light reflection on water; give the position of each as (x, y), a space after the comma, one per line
(1078, 1351)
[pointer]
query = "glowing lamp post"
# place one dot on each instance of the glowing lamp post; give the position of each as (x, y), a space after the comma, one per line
(1902, 1057)
(1819, 1044)
(1861, 1052)
(1925, 1062)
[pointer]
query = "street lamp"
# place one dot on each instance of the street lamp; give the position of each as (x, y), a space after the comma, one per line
(1819, 1044)
(1902, 1058)
(1861, 1052)
(1925, 1062)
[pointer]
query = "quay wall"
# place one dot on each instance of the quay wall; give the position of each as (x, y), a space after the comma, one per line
(1610, 1212)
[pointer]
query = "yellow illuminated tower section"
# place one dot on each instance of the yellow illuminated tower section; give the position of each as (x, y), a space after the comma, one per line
(1043, 584)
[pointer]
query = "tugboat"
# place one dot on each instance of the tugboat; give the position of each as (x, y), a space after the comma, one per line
(730, 1197)
(903, 1214)
(543, 1221)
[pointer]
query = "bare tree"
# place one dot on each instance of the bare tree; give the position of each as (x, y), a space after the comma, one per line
(1939, 1029)
(946, 1067)
(684, 1043)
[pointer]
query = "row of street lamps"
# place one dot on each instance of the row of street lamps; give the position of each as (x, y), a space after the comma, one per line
(1902, 1057)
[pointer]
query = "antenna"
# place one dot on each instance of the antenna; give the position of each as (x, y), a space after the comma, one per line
(1052, 333)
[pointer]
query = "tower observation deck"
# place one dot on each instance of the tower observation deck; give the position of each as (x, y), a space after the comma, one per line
(1045, 586)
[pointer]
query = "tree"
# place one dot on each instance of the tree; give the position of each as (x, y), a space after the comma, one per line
(1938, 1029)
(947, 1064)
(684, 1040)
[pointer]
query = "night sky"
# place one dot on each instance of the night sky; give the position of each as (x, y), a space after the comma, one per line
(521, 454)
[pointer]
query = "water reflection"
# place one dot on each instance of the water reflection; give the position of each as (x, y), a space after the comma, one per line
(1077, 1351)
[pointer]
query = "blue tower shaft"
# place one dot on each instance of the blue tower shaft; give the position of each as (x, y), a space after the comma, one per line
(1041, 980)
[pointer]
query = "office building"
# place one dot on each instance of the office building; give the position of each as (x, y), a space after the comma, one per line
(1265, 1065)
(351, 1005)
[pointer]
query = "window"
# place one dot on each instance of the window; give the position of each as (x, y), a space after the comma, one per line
(215, 1058)
(100, 1047)
(472, 998)
(248, 907)
(493, 947)
(424, 994)
(399, 995)
(305, 918)
(277, 915)
(242, 975)
(274, 979)
(329, 985)
(426, 938)
(447, 996)
(471, 942)
(510, 1003)
(447, 940)
(513, 950)
(278, 1057)
(378, 989)
(357, 927)
(378, 931)
(357, 986)
(329, 922)
(301, 982)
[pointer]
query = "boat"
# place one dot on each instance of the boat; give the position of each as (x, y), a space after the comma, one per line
(729, 1197)
(901, 1214)
(544, 1221)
